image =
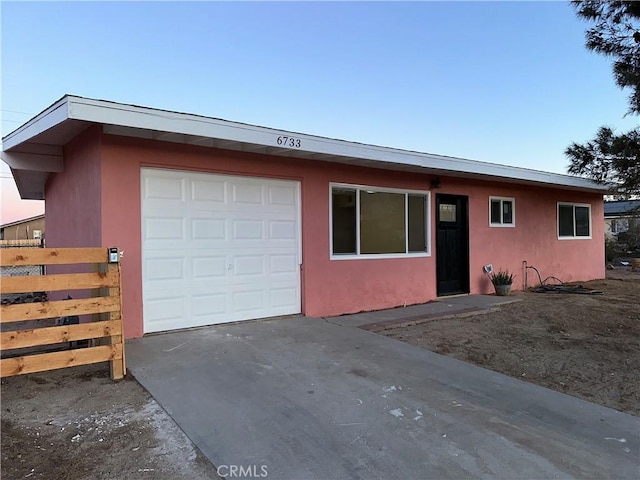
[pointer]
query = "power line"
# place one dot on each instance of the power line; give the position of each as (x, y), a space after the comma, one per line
(16, 111)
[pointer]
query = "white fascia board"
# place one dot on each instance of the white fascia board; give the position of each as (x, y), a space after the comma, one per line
(130, 116)
(195, 125)
(50, 117)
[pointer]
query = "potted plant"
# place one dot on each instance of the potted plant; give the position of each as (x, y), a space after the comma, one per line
(502, 281)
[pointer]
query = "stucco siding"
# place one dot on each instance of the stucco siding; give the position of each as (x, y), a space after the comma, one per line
(332, 287)
(121, 225)
(73, 197)
(73, 204)
(328, 287)
(534, 239)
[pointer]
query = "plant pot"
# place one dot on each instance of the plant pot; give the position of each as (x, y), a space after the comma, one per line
(503, 290)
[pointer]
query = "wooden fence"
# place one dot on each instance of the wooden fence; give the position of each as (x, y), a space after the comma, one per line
(104, 308)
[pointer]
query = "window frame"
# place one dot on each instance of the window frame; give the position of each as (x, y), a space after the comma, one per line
(619, 225)
(513, 212)
(574, 236)
(376, 189)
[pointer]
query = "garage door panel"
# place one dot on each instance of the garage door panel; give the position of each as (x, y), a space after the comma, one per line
(282, 230)
(283, 263)
(208, 193)
(163, 188)
(165, 268)
(288, 278)
(166, 309)
(208, 229)
(244, 265)
(209, 304)
(208, 267)
(165, 228)
(247, 193)
(247, 229)
(282, 297)
(282, 195)
(245, 300)
(218, 248)
(160, 290)
(281, 285)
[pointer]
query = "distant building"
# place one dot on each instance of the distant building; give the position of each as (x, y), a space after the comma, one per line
(26, 229)
(619, 216)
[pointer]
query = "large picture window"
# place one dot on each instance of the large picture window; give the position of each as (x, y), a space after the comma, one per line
(574, 220)
(376, 222)
(502, 212)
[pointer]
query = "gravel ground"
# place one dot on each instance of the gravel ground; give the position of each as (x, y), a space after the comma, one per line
(77, 423)
(582, 345)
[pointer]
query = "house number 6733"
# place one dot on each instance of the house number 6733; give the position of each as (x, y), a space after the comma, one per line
(291, 142)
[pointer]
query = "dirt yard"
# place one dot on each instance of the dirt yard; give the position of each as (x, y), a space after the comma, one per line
(587, 346)
(76, 423)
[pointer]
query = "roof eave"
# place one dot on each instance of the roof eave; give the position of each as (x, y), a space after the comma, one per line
(48, 118)
(24, 220)
(69, 115)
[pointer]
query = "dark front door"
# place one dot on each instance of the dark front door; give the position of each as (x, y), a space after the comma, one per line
(452, 244)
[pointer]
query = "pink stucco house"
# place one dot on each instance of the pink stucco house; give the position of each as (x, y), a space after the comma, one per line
(222, 221)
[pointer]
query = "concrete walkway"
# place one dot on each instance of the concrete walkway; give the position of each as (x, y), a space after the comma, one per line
(442, 307)
(306, 398)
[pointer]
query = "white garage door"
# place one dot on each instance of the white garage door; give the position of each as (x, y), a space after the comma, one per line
(218, 248)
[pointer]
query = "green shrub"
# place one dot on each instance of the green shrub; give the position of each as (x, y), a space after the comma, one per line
(613, 249)
(502, 278)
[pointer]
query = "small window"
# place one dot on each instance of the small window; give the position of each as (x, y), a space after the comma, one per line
(574, 220)
(619, 225)
(343, 211)
(447, 213)
(417, 217)
(502, 212)
(377, 222)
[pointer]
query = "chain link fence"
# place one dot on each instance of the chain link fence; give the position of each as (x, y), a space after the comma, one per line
(22, 270)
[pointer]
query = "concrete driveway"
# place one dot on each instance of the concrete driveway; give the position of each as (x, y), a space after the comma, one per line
(305, 398)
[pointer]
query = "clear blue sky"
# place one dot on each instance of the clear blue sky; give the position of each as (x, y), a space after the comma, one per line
(504, 82)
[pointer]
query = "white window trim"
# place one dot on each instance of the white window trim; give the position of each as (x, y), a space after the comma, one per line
(619, 225)
(513, 212)
(370, 256)
(573, 237)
